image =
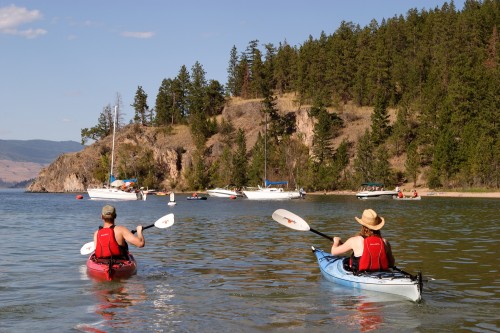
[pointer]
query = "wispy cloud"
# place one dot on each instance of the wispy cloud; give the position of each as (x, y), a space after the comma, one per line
(12, 17)
(138, 34)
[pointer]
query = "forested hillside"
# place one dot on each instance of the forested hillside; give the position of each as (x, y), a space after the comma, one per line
(437, 69)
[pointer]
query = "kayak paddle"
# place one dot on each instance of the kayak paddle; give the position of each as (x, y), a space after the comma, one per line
(293, 221)
(162, 223)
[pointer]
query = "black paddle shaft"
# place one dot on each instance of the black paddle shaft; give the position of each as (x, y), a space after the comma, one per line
(321, 234)
(144, 228)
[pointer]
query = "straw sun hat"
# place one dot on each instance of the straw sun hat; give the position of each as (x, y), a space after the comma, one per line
(371, 220)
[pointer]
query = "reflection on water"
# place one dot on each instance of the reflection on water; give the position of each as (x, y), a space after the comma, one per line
(226, 266)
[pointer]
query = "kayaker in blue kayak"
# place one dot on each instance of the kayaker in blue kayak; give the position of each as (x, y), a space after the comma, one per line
(111, 240)
(371, 252)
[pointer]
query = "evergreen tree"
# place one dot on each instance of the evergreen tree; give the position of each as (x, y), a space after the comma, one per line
(239, 165)
(198, 105)
(256, 167)
(363, 162)
(164, 103)
(412, 163)
(181, 87)
(381, 167)
(103, 128)
(142, 112)
(380, 121)
(232, 72)
(215, 98)
(285, 69)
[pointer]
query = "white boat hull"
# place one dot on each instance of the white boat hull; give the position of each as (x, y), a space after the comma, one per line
(376, 194)
(271, 193)
(223, 193)
(113, 194)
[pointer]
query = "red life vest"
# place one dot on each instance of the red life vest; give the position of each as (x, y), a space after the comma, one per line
(374, 257)
(107, 246)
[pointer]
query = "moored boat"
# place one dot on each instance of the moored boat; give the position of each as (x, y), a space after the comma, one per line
(224, 192)
(375, 191)
(196, 198)
(394, 282)
(109, 269)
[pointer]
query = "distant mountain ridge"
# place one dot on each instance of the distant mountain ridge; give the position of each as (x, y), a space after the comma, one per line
(36, 151)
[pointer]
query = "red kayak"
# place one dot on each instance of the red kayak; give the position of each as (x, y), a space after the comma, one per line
(109, 269)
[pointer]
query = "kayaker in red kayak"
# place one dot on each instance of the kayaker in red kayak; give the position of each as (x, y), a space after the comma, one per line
(111, 240)
(371, 252)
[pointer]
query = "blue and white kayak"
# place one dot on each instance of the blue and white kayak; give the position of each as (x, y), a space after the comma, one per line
(391, 282)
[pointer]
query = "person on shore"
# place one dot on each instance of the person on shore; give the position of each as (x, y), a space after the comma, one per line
(111, 240)
(400, 194)
(415, 194)
(370, 252)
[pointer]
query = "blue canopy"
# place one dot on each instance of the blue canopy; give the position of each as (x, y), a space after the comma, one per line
(267, 183)
(131, 180)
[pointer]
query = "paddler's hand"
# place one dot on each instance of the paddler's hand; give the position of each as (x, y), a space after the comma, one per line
(336, 241)
(139, 229)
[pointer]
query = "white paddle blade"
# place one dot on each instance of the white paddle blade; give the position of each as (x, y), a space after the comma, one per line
(165, 221)
(290, 220)
(87, 248)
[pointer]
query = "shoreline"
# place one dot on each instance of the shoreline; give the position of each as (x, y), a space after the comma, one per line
(424, 193)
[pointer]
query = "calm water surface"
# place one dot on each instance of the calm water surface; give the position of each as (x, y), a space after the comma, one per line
(226, 266)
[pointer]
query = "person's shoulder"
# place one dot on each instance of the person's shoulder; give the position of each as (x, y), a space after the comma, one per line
(356, 238)
(121, 228)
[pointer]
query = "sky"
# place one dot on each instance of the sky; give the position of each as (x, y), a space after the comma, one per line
(62, 61)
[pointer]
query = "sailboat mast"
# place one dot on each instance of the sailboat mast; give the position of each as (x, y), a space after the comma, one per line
(265, 151)
(113, 146)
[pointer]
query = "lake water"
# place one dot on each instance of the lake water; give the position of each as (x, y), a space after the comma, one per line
(226, 266)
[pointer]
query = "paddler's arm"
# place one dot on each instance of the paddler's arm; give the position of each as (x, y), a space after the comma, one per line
(339, 248)
(138, 240)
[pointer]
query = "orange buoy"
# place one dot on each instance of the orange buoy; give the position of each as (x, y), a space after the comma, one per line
(79, 197)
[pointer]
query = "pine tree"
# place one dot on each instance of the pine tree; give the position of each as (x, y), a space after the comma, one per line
(363, 162)
(380, 120)
(412, 163)
(240, 164)
(232, 72)
(198, 105)
(141, 107)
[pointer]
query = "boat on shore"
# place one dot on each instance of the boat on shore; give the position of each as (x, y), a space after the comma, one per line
(397, 282)
(375, 191)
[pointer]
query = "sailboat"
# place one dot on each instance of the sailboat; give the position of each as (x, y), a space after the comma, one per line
(172, 200)
(116, 189)
(268, 192)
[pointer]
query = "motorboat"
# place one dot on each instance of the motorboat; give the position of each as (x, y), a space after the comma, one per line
(224, 192)
(375, 191)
